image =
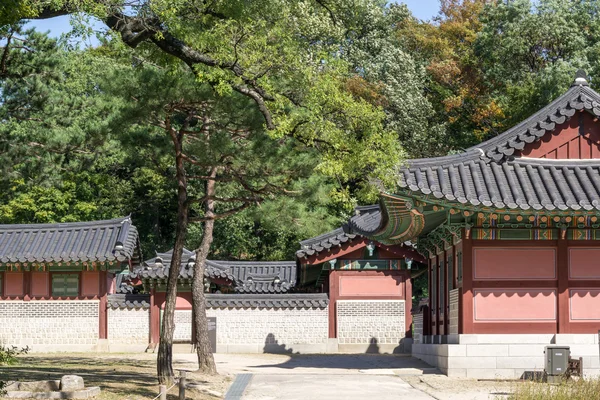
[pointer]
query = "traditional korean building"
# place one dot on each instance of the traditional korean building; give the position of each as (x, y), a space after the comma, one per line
(245, 297)
(344, 293)
(55, 280)
(510, 229)
(368, 282)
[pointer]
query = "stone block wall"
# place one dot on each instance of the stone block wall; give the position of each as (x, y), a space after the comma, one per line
(453, 304)
(129, 326)
(418, 328)
(60, 325)
(258, 330)
(370, 321)
(505, 356)
(183, 326)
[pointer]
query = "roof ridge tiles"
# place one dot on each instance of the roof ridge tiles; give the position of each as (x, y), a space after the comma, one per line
(62, 225)
(69, 242)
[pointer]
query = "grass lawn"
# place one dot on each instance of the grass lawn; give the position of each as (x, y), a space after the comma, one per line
(581, 389)
(122, 377)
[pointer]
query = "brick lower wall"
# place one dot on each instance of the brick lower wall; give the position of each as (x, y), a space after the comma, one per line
(453, 304)
(270, 329)
(43, 325)
(418, 328)
(127, 326)
(370, 321)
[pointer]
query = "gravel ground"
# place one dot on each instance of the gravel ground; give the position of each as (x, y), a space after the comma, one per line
(441, 387)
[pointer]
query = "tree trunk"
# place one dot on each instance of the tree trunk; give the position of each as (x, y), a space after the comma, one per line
(206, 361)
(165, 349)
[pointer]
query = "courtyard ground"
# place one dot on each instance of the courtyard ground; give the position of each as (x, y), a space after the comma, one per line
(263, 377)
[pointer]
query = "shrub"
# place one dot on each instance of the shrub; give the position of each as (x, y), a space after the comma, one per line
(581, 389)
(8, 355)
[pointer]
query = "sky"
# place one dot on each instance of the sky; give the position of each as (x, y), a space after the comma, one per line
(422, 9)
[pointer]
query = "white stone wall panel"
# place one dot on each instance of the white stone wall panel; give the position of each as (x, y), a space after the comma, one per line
(370, 321)
(129, 326)
(58, 322)
(270, 327)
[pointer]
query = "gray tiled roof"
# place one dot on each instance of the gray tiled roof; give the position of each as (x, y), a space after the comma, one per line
(579, 97)
(365, 216)
(523, 183)
(309, 300)
(306, 300)
(493, 174)
(261, 277)
(128, 301)
(110, 240)
(247, 276)
(158, 268)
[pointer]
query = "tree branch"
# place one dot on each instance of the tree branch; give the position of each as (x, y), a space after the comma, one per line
(225, 214)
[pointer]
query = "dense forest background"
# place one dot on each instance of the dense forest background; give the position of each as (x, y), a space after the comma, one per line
(74, 147)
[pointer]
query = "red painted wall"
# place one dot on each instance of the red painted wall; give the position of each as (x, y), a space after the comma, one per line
(584, 305)
(515, 305)
(14, 284)
(530, 287)
(40, 284)
(493, 263)
(361, 285)
(90, 283)
(566, 142)
(584, 263)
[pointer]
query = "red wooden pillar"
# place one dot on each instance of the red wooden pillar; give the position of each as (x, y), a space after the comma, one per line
(26, 285)
(562, 264)
(446, 297)
(154, 318)
(435, 286)
(334, 281)
(467, 284)
(103, 328)
(430, 291)
(408, 305)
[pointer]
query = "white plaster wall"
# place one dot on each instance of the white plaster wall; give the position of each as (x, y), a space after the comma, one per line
(60, 325)
(258, 330)
(127, 326)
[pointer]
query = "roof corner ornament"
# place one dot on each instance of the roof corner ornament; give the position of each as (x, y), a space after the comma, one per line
(581, 78)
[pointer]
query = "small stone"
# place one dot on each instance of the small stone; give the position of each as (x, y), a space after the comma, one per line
(70, 383)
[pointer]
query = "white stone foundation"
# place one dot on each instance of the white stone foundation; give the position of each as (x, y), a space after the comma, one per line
(505, 356)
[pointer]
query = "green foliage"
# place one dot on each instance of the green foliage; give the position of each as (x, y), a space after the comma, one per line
(529, 51)
(9, 354)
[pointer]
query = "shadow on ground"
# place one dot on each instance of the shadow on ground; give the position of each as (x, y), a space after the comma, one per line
(123, 377)
(351, 362)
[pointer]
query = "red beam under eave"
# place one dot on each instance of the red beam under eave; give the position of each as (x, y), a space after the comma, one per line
(351, 246)
(403, 252)
(335, 252)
